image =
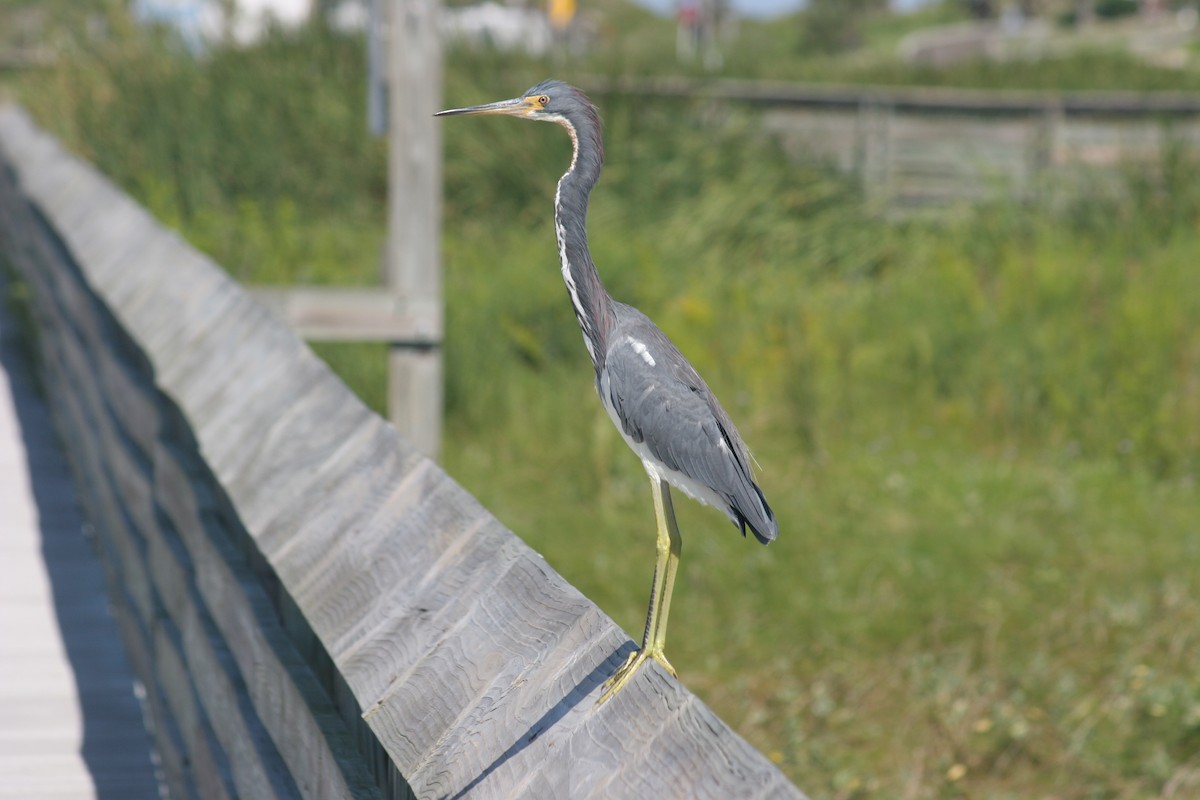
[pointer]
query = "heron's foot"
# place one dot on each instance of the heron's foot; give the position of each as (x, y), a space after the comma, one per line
(627, 670)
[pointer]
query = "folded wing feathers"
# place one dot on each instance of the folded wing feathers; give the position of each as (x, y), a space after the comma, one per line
(668, 407)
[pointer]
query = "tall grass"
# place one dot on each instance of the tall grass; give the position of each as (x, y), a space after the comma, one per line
(980, 434)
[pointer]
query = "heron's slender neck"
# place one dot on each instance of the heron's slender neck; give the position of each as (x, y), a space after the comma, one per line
(592, 303)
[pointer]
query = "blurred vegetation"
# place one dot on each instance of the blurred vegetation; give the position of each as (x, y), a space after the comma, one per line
(836, 25)
(980, 433)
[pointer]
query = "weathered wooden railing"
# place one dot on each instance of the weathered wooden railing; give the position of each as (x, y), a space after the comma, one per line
(314, 609)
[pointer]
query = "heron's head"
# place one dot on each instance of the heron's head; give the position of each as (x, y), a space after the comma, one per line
(552, 101)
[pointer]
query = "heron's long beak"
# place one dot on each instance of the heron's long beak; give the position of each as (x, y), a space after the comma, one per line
(517, 107)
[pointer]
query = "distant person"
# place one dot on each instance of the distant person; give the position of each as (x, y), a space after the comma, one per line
(688, 31)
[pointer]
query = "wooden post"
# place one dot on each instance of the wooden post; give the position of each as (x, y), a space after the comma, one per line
(1047, 126)
(413, 256)
(875, 152)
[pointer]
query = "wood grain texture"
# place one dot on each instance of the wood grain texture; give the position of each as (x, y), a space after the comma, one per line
(317, 609)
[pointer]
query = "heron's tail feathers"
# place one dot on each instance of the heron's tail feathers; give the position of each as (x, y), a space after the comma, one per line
(758, 517)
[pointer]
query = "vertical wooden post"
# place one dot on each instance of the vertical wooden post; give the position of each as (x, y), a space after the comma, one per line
(875, 151)
(413, 258)
(1044, 150)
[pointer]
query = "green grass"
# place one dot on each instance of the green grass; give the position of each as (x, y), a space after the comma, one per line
(980, 434)
(980, 439)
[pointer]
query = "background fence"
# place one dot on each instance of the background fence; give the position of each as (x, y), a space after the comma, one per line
(314, 609)
(920, 146)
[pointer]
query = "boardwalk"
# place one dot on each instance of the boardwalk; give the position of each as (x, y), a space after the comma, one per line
(70, 726)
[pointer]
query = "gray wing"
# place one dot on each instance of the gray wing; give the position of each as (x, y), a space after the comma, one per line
(664, 405)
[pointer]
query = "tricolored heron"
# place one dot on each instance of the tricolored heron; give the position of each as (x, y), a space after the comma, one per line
(659, 403)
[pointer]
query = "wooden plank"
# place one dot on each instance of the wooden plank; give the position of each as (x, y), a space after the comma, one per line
(348, 315)
(362, 477)
(1098, 143)
(207, 765)
(483, 685)
(169, 744)
(178, 664)
(256, 771)
(133, 401)
(84, 410)
(278, 476)
(115, 534)
(827, 134)
(295, 713)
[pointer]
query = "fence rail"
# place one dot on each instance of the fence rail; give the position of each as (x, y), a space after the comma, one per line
(315, 609)
(916, 147)
(912, 98)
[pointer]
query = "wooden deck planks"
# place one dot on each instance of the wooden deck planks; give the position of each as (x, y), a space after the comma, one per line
(70, 725)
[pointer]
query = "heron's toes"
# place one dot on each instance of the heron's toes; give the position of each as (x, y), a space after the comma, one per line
(661, 658)
(625, 673)
(622, 676)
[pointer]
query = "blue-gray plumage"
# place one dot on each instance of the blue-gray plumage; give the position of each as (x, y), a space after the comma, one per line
(670, 417)
(659, 403)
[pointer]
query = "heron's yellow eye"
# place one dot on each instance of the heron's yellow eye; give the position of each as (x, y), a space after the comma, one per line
(543, 101)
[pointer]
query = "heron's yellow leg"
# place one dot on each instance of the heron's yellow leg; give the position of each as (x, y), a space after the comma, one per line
(665, 511)
(666, 564)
